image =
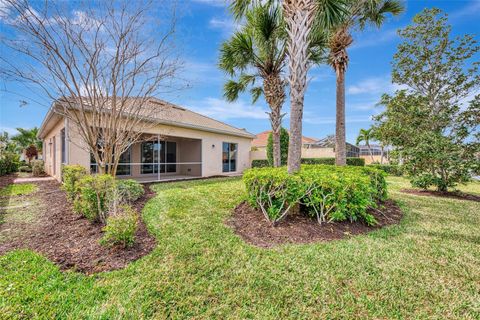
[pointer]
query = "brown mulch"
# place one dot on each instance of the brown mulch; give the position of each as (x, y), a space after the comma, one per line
(7, 179)
(252, 226)
(450, 194)
(71, 241)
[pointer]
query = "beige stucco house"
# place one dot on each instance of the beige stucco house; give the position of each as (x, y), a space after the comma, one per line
(179, 144)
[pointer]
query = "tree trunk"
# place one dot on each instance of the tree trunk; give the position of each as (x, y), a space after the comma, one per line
(274, 91)
(340, 143)
(370, 151)
(299, 16)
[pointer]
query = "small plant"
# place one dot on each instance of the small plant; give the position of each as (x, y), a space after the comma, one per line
(121, 227)
(38, 168)
(24, 169)
(95, 194)
(129, 190)
(71, 174)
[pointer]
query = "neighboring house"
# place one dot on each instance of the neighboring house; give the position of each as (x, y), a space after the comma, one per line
(181, 144)
(311, 147)
(259, 145)
(374, 152)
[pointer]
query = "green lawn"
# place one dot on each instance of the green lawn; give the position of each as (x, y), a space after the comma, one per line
(427, 267)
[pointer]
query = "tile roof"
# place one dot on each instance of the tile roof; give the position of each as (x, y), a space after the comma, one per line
(261, 139)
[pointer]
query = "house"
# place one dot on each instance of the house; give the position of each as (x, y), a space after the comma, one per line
(374, 154)
(179, 144)
(259, 145)
(311, 147)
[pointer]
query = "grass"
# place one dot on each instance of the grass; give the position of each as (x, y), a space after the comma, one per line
(426, 267)
(18, 189)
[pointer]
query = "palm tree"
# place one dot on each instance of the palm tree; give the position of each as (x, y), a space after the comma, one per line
(307, 21)
(26, 138)
(359, 14)
(257, 52)
(366, 135)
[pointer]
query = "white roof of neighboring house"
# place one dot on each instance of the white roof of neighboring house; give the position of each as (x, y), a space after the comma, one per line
(170, 114)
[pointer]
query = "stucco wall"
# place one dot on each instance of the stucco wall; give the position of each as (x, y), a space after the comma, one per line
(376, 159)
(209, 146)
(52, 153)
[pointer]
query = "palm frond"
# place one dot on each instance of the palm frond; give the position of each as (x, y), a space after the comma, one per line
(256, 92)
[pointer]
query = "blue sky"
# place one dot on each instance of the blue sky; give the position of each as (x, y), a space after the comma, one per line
(204, 24)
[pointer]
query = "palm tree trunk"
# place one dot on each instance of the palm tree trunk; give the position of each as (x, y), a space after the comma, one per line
(299, 16)
(274, 91)
(340, 143)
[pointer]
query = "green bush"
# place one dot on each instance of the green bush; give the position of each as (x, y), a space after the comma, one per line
(329, 193)
(284, 137)
(390, 169)
(121, 227)
(260, 164)
(38, 167)
(129, 190)
(331, 161)
(71, 174)
(9, 162)
(95, 194)
(24, 169)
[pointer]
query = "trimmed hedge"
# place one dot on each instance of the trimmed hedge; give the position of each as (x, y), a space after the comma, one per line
(329, 193)
(360, 162)
(260, 163)
(390, 169)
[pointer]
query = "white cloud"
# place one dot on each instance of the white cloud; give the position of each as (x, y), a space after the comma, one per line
(222, 110)
(471, 9)
(331, 120)
(226, 25)
(374, 86)
(373, 38)
(215, 3)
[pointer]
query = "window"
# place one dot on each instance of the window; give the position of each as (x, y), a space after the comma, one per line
(159, 155)
(229, 157)
(123, 168)
(63, 142)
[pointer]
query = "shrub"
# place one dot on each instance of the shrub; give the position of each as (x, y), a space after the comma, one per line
(327, 192)
(9, 162)
(284, 137)
(129, 190)
(121, 227)
(24, 169)
(38, 167)
(331, 161)
(273, 190)
(71, 174)
(94, 196)
(260, 164)
(390, 169)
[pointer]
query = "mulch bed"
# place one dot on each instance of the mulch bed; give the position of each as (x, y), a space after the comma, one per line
(71, 241)
(452, 195)
(252, 226)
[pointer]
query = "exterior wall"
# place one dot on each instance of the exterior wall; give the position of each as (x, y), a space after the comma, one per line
(211, 148)
(208, 145)
(376, 159)
(52, 153)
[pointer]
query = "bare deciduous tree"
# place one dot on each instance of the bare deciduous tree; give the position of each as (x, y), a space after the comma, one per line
(101, 65)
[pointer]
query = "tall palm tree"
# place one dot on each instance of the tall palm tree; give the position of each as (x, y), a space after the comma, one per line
(359, 14)
(307, 21)
(257, 52)
(366, 135)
